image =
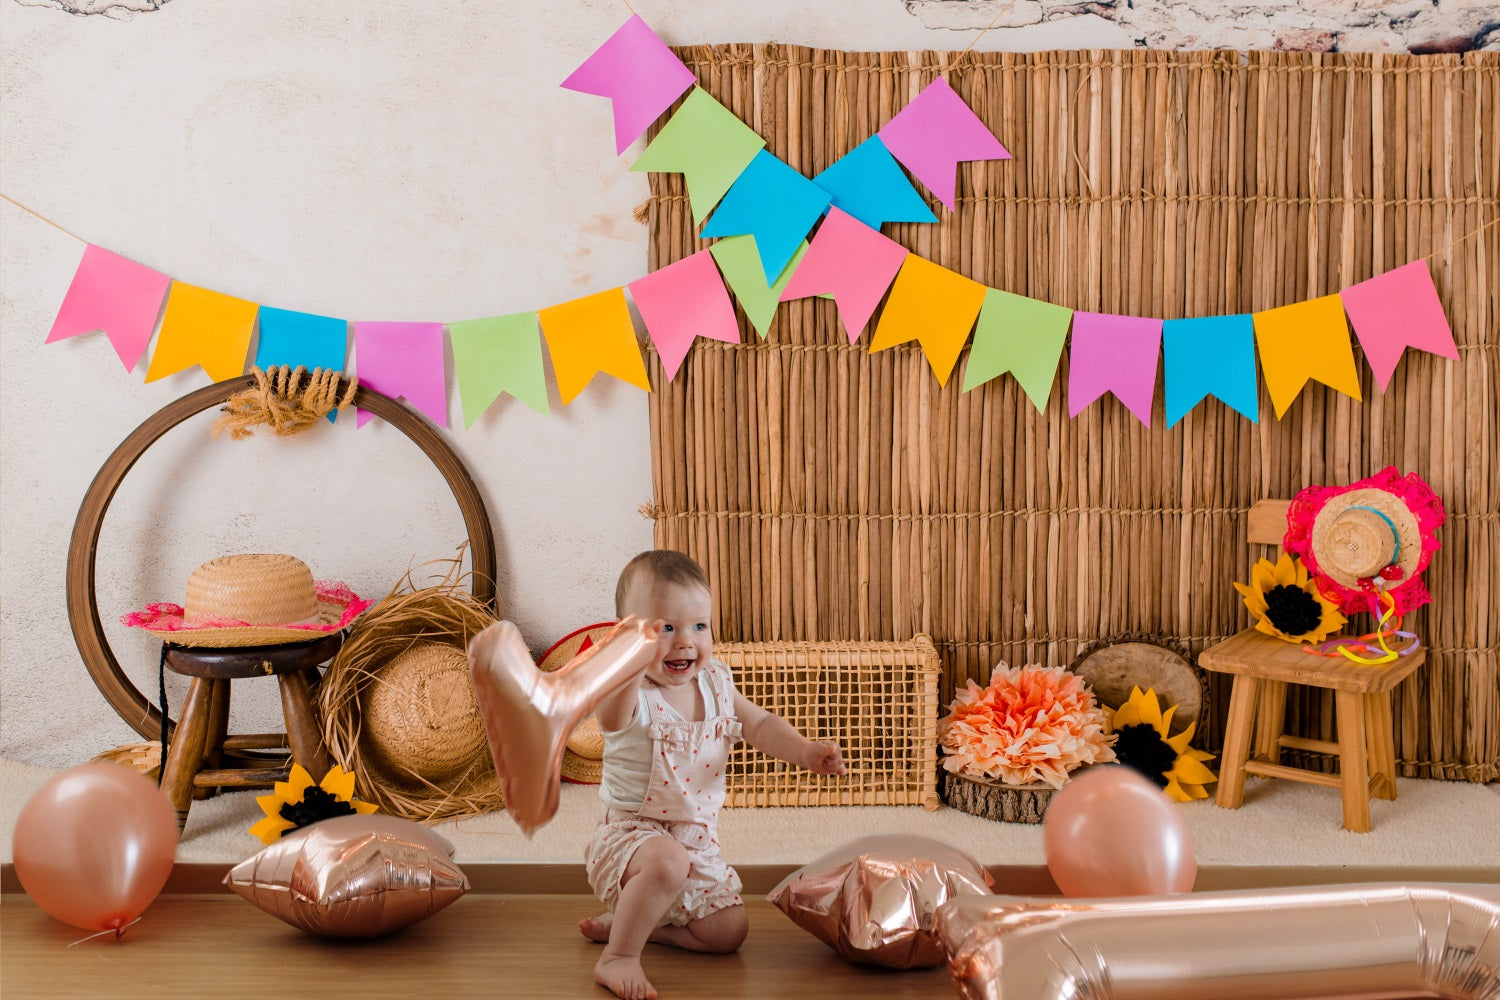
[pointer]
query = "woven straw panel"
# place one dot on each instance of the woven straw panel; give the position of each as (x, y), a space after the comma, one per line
(835, 494)
(879, 700)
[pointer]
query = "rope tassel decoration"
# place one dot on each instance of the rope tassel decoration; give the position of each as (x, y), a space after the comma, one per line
(288, 400)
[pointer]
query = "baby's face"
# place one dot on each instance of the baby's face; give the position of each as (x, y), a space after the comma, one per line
(686, 641)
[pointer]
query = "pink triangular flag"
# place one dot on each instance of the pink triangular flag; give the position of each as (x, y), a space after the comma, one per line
(1116, 354)
(853, 262)
(932, 134)
(403, 359)
(681, 301)
(637, 71)
(1396, 310)
(112, 294)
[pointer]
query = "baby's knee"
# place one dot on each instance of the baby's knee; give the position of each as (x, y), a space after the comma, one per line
(723, 930)
(662, 860)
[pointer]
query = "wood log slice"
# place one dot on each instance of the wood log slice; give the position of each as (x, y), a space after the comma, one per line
(1112, 668)
(995, 799)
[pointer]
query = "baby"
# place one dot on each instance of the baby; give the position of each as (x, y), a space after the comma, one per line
(654, 859)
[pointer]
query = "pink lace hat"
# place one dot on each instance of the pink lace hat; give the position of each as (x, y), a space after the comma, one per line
(255, 599)
(1377, 534)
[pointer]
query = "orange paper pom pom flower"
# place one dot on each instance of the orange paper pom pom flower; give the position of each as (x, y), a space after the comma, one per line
(1030, 724)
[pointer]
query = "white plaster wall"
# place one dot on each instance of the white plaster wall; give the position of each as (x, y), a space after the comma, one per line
(394, 161)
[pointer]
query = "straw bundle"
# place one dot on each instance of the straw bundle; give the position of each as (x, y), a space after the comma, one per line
(142, 757)
(835, 494)
(398, 708)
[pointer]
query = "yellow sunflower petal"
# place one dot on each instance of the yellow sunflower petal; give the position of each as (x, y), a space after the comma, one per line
(1150, 709)
(1180, 742)
(1191, 772)
(296, 783)
(1287, 572)
(270, 828)
(361, 808)
(270, 804)
(1175, 792)
(1128, 714)
(1166, 719)
(338, 783)
(1255, 599)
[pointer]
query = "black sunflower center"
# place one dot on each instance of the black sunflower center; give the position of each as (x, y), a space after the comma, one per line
(1140, 746)
(316, 804)
(1292, 609)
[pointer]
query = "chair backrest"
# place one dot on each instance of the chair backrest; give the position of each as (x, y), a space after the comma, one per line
(1268, 522)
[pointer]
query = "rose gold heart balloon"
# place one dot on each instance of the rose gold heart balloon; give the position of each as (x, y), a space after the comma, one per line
(528, 714)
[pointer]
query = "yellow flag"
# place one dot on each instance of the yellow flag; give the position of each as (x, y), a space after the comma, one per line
(1307, 340)
(203, 327)
(591, 335)
(935, 307)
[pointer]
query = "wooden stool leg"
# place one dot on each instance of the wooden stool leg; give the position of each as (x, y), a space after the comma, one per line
(185, 754)
(1382, 744)
(1237, 734)
(302, 729)
(1270, 718)
(218, 731)
(1354, 772)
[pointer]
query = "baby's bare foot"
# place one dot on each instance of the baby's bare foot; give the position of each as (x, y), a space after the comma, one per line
(624, 977)
(597, 928)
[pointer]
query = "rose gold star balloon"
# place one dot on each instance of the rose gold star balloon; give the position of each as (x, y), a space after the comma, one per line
(528, 714)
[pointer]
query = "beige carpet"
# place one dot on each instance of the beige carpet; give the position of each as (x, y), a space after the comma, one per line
(1432, 830)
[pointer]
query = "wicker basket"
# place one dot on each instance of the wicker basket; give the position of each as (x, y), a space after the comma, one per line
(142, 757)
(879, 700)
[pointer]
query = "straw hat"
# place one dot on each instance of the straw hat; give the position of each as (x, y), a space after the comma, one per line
(255, 599)
(421, 717)
(583, 760)
(1377, 533)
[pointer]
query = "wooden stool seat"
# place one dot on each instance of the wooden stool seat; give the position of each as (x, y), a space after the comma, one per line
(1262, 667)
(193, 768)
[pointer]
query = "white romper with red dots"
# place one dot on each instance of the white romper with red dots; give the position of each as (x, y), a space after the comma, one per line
(683, 795)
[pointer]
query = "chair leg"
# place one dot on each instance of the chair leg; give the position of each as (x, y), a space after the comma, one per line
(1270, 719)
(185, 754)
(302, 729)
(1353, 762)
(218, 731)
(1237, 735)
(1382, 743)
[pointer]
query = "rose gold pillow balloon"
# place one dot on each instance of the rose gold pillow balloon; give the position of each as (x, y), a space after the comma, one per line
(352, 876)
(872, 900)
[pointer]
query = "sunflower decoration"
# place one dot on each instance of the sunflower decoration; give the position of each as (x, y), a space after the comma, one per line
(1288, 605)
(1140, 727)
(298, 802)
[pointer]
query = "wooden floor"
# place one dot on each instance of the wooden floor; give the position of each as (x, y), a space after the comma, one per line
(485, 945)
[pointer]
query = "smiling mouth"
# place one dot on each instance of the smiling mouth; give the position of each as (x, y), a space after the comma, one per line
(678, 666)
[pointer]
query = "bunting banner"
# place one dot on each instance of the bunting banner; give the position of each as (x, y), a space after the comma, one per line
(298, 338)
(707, 145)
(202, 327)
(934, 133)
(740, 262)
(935, 307)
(1114, 354)
(850, 261)
(1210, 356)
(590, 335)
(403, 360)
(868, 184)
(498, 354)
(773, 203)
(1394, 311)
(1305, 341)
(637, 72)
(1021, 336)
(116, 295)
(682, 301)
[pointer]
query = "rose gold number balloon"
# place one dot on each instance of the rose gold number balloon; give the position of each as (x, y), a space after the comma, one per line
(1111, 832)
(95, 845)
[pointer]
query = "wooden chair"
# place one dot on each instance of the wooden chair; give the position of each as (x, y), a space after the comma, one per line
(197, 753)
(1254, 735)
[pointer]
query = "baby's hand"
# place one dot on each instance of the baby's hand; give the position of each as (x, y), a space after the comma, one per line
(826, 758)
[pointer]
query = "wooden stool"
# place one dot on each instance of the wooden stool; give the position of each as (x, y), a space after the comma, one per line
(1263, 666)
(195, 757)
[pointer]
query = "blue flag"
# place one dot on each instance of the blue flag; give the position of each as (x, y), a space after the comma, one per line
(1210, 356)
(868, 184)
(773, 203)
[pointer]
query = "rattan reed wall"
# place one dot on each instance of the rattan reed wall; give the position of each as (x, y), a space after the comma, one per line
(835, 494)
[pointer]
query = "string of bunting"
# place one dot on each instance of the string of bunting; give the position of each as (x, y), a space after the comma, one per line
(779, 236)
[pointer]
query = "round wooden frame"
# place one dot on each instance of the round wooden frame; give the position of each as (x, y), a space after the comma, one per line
(83, 607)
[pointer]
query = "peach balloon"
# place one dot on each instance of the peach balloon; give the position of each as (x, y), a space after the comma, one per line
(1111, 832)
(94, 845)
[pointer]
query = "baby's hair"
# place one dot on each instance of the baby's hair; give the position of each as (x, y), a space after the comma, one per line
(664, 566)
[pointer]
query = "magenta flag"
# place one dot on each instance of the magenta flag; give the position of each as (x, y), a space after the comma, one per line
(851, 261)
(1116, 354)
(116, 295)
(932, 134)
(681, 301)
(1396, 310)
(637, 71)
(403, 359)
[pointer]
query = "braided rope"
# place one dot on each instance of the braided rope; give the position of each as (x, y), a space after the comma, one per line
(288, 400)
